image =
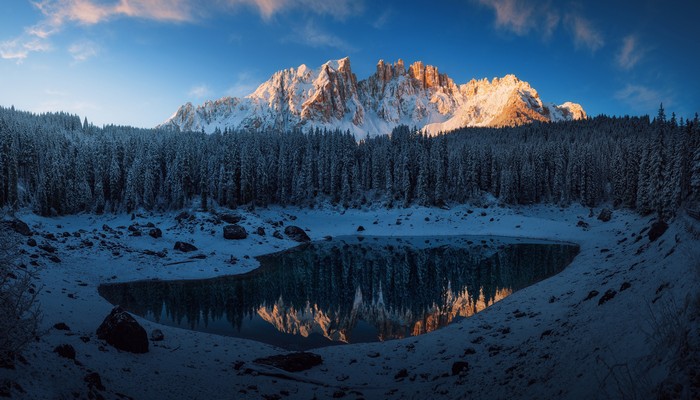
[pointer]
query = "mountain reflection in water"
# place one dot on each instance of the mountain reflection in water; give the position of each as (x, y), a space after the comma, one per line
(349, 289)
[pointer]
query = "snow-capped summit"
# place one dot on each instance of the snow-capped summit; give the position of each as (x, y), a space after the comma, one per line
(331, 97)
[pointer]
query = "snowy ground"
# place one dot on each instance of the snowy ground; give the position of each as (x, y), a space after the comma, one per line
(546, 341)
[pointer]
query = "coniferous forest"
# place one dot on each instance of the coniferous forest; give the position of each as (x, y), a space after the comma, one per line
(58, 164)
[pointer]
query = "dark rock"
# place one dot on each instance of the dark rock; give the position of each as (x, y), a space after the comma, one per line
(231, 218)
(609, 294)
(277, 235)
(47, 248)
(185, 247)
(133, 228)
(260, 231)
(292, 362)
(7, 387)
(297, 234)
(460, 367)
(235, 232)
(582, 224)
(61, 326)
(182, 216)
(21, 227)
(54, 259)
(93, 379)
(155, 233)
(657, 229)
(122, 331)
(360, 228)
(150, 225)
(31, 242)
(199, 256)
(403, 373)
(157, 335)
(605, 215)
(625, 286)
(65, 351)
(591, 294)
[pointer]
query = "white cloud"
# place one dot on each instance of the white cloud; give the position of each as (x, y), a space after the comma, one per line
(513, 15)
(83, 50)
(630, 53)
(382, 19)
(18, 49)
(200, 92)
(56, 14)
(339, 9)
(585, 34)
(642, 98)
(245, 84)
(311, 35)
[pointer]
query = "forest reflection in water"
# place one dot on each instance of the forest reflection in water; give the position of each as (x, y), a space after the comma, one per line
(350, 289)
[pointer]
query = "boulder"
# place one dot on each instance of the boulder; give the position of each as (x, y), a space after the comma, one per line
(93, 379)
(292, 362)
(230, 218)
(123, 332)
(65, 351)
(277, 234)
(605, 215)
(360, 228)
(235, 232)
(61, 326)
(260, 231)
(155, 233)
(460, 367)
(31, 242)
(182, 216)
(21, 227)
(185, 247)
(297, 234)
(657, 229)
(157, 335)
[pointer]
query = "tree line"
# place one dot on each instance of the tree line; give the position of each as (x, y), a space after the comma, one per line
(57, 165)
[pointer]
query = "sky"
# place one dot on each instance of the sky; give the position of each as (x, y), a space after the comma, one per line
(134, 62)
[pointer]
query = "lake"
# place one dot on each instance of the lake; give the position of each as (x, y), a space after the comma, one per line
(350, 289)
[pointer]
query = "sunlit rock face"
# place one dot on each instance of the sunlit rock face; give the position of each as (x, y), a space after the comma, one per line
(347, 290)
(331, 97)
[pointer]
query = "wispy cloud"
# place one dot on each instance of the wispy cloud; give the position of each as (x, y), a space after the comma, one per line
(245, 84)
(311, 35)
(383, 18)
(83, 50)
(642, 98)
(339, 9)
(513, 15)
(57, 14)
(585, 34)
(18, 49)
(200, 91)
(630, 53)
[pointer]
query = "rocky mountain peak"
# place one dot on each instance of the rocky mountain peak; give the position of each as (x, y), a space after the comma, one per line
(332, 97)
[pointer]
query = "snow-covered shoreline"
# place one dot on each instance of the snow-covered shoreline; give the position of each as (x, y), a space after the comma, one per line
(544, 341)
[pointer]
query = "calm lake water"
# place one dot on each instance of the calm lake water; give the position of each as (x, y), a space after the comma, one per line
(350, 289)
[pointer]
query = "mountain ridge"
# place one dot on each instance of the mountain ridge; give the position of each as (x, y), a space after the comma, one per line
(332, 97)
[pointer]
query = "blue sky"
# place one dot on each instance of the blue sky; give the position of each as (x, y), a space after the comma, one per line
(134, 62)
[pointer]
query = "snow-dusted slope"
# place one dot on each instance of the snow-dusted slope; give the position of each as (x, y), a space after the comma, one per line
(331, 97)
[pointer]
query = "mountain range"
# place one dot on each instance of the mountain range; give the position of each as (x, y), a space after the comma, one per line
(332, 97)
